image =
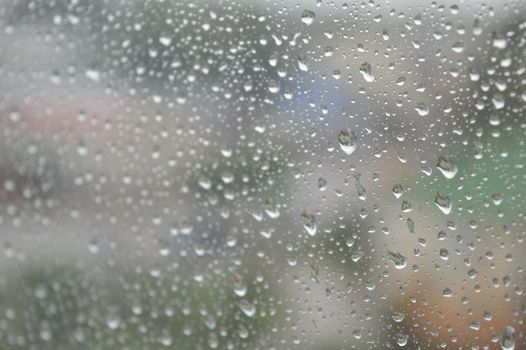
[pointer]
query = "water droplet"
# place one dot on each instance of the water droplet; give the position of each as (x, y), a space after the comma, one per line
(411, 225)
(398, 191)
(447, 167)
(444, 254)
(240, 289)
(347, 141)
(322, 184)
(446, 293)
(205, 183)
(247, 307)
(457, 47)
(475, 325)
(309, 223)
(271, 210)
(401, 339)
(406, 207)
(165, 41)
(307, 17)
(507, 338)
(397, 259)
(93, 75)
(422, 109)
(398, 316)
(366, 71)
(360, 189)
(443, 203)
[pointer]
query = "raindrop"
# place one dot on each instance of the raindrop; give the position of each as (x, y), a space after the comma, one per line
(347, 141)
(398, 316)
(406, 207)
(411, 225)
(309, 223)
(443, 203)
(447, 167)
(365, 70)
(322, 183)
(444, 254)
(307, 17)
(397, 259)
(507, 338)
(247, 307)
(359, 188)
(398, 191)
(401, 339)
(422, 109)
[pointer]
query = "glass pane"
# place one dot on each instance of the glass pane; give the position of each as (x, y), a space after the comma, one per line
(262, 174)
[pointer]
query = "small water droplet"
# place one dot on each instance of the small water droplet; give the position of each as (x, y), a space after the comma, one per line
(411, 225)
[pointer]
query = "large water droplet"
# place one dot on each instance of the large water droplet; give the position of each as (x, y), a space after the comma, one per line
(507, 338)
(401, 339)
(347, 140)
(366, 71)
(307, 17)
(443, 203)
(422, 109)
(447, 167)
(309, 223)
(247, 307)
(397, 259)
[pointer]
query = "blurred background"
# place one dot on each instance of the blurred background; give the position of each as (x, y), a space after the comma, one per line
(262, 174)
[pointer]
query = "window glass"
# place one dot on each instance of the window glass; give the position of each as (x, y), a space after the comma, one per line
(242, 174)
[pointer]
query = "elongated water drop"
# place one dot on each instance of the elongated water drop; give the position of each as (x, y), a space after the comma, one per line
(411, 225)
(507, 338)
(422, 109)
(309, 223)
